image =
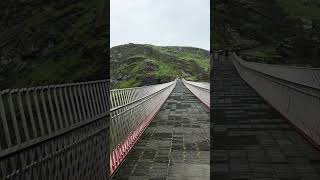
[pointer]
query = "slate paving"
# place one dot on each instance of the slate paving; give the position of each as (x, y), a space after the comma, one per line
(175, 146)
(249, 139)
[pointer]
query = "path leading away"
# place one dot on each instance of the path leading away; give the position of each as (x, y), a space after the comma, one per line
(250, 140)
(175, 146)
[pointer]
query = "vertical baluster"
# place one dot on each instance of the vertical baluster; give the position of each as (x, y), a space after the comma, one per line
(107, 92)
(23, 117)
(82, 102)
(131, 92)
(98, 97)
(116, 99)
(63, 107)
(14, 119)
(4, 122)
(69, 111)
(127, 96)
(35, 96)
(44, 105)
(77, 98)
(102, 97)
(93, 99)
(86, 101)
(90, 99)
(107, 96)
(72, 99)
(53, 115)
(112, 95)
(120, 97)
(58, 107)
(111, 99)
(82, 112)
(123, 98)
(34, 130)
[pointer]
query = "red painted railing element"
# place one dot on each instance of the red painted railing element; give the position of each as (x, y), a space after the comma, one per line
(133, 109)
(119, 154)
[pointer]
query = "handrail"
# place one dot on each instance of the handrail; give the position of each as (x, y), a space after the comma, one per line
(48, 119)
(308, 90)
(299, 75)
(292, 92)
(144, 91)
(132, 110)
(200, 89)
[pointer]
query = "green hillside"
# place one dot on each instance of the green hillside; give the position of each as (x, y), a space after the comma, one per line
(308, 9)
(143, 64)
(271, 31)
(50, 42)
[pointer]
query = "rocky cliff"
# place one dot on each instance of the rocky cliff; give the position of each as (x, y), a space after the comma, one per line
(143, 64)
(48, 42)
(272, 31)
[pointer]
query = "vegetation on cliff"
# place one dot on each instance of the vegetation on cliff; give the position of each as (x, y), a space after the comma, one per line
(50, 42)
(271, 31)
(144, 64)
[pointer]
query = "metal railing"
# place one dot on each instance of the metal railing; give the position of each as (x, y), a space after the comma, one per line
(131, 112)
(294, 92)
(55, 132)
(199, 89)
(120, 97)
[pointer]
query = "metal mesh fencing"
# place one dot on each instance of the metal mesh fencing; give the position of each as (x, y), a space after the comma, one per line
(199, 89)
(55, 132)
(132, 110)
(294, 92)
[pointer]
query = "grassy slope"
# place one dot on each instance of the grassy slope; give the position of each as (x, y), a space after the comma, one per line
(72, 66)
(70, 41)
(200, 59)
(260, 26)
(147, 64)
(300, 9)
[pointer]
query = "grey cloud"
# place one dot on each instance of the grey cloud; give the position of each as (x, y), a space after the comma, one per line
(161, 22)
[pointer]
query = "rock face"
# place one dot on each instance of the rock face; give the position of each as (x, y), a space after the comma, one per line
(47, 42)
(142, 64)
(289, 28)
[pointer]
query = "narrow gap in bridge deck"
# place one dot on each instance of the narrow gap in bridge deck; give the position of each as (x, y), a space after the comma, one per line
(250, 140)
(176, 143)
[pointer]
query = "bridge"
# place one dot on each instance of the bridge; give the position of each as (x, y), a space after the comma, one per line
(265, 120)
(258, 121)
(175, 145)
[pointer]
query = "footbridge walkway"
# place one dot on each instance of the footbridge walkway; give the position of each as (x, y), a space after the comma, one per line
(176, 144)
(265, 121)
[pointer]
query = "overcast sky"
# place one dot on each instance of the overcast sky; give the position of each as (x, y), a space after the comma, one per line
(160, 22)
